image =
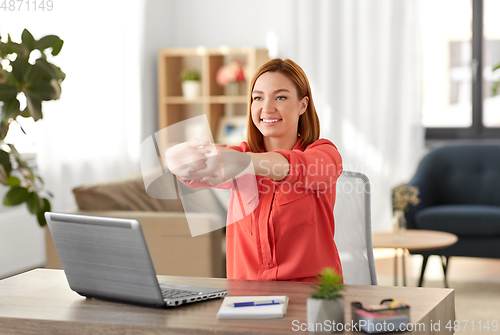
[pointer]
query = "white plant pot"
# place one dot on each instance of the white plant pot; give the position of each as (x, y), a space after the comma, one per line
(191, 89)
(324, 315)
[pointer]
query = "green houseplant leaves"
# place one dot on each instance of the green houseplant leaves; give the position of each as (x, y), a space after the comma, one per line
(329, 285)
(496, 85)
(25, 70)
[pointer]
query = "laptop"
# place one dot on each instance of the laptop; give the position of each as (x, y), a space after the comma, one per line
(108, 259)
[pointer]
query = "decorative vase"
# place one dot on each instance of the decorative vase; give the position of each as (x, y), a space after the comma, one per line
(324, 315)
(399, 226)
(191, 89)
(235, 88)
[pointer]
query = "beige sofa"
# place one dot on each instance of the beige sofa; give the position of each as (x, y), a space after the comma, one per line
(173, 250)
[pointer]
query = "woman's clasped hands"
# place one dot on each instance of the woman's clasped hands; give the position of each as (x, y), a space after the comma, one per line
(201, 160)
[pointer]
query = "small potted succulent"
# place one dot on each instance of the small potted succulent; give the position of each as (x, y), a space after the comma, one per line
(191, 85)
(326, 302)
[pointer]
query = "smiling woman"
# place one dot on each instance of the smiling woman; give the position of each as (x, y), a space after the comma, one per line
(284, 228)
(275, 110)
(281, 87)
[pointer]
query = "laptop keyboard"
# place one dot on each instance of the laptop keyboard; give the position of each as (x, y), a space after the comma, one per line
(172, 293)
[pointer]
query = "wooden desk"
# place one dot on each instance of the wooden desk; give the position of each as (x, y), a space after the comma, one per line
(41, 302)
(415, 240)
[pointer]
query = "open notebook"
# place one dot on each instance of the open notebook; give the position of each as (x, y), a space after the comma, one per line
(228, 311)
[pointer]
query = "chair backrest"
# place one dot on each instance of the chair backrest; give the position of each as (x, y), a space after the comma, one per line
(353, 235)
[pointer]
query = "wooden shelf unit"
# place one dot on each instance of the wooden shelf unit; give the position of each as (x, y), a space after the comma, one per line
(214, 99)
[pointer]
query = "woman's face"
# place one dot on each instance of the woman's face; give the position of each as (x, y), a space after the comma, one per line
(275, 106)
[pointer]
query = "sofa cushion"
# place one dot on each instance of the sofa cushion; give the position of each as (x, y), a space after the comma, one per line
(126, 194)
(461, 220)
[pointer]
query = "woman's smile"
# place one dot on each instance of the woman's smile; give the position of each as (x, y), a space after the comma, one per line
(270, 121)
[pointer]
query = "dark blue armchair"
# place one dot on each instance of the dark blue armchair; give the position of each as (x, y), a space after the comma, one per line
(460, 193)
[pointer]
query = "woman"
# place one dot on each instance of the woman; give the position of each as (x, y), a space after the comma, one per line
(289, 234)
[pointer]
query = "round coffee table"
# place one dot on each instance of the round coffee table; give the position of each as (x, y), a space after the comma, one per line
(415, 240)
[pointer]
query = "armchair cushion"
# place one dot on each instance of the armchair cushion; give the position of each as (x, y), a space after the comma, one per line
(126, 194)
(461, 220)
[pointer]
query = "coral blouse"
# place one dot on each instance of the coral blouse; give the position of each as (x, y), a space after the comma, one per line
(289, 234)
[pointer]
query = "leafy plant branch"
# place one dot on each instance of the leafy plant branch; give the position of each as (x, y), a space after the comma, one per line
(25, 73)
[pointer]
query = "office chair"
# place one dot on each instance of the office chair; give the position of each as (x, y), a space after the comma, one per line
(353, 237)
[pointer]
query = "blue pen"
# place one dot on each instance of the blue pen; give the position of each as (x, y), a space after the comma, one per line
(257, 303)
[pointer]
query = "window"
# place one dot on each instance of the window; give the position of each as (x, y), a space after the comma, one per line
(459, 53)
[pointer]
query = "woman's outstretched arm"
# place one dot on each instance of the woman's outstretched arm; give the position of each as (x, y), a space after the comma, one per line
(201, 160)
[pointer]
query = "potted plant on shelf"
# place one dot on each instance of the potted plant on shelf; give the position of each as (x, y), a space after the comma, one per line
(496, 84)
(402, 196)
(191, 86)
(326, 302)
(25, 74)
(232, 74)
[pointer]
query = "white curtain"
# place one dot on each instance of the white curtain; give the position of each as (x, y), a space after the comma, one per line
(363, 61)
(92, 133)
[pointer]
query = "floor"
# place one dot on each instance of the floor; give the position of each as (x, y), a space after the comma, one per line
(476, 282)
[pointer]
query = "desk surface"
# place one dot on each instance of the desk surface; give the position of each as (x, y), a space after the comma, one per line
(415, 240)
(41, 302)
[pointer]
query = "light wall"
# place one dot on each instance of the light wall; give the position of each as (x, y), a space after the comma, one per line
(235, 23)
(158, 32)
